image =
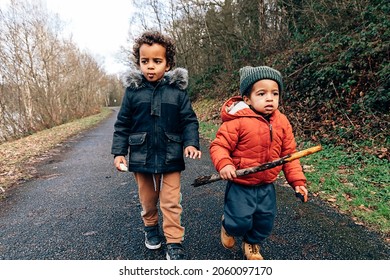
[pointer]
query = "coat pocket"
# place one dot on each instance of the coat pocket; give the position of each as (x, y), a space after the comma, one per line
(174, 148)
(138, 148)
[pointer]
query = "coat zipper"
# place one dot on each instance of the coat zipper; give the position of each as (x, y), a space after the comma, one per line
(155, 131)
(155, 145)
(270, 144)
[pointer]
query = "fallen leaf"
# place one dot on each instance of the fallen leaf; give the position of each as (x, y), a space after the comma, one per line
(364, 208)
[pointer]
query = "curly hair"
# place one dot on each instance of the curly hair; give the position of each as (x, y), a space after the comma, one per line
(155, 37)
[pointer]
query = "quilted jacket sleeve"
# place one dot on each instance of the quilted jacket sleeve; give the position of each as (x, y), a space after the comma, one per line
(120, 142)
(189, 122)
(292, 170)
(224, 143)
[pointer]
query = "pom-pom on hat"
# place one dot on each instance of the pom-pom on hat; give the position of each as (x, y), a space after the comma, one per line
(250, 75)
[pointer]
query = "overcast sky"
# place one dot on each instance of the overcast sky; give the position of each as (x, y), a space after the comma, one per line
(99, 26)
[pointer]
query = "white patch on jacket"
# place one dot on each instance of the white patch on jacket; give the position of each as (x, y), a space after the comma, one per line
(235, 107)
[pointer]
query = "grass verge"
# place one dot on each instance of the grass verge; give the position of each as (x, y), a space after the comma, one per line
(356, 183)
(17, 157)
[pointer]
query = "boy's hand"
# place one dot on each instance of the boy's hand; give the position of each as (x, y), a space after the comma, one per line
(228, 172)
(192, 152)
(118, 161)
(302, 193)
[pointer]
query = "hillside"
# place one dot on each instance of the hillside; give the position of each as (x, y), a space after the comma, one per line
(336, 74)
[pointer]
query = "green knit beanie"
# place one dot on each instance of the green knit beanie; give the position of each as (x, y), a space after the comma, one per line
(250, 75)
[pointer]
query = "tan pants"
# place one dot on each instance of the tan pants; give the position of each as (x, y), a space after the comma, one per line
(166, 189)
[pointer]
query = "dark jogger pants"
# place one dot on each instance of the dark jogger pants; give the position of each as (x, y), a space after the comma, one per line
(249, 211)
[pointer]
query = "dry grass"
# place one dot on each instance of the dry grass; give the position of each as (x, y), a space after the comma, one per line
(17, 157)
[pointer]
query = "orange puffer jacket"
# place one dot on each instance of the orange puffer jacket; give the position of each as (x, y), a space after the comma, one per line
(246, 139)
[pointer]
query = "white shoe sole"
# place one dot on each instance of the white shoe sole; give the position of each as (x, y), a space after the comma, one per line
(153, 247)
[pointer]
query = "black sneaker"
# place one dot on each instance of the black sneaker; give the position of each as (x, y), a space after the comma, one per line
(175, 251)
(153, 238)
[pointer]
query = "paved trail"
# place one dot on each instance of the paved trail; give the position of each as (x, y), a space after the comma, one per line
(82, 208)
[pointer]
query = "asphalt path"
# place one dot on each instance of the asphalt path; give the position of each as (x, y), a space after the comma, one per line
(81, 208)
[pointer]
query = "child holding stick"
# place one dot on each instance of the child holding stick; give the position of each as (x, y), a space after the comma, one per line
(253, 132)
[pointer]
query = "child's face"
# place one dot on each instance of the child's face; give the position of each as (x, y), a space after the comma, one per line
(264, 97)
(153, 62)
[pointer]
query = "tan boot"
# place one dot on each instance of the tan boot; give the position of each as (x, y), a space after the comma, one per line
(251, 251)
(227, 240)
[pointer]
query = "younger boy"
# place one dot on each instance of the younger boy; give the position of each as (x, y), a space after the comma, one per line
(253, 132)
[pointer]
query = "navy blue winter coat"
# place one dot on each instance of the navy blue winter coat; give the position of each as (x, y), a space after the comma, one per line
(155, 123)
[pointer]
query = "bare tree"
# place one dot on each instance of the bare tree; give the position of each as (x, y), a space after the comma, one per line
(45, 79)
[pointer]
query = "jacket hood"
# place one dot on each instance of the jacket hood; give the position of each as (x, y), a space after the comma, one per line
(177, 77)
(235, 107)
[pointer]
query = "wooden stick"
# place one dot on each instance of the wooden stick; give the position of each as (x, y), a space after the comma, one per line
(203, 180)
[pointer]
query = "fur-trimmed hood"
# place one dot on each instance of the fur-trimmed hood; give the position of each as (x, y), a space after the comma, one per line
(177, 77)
